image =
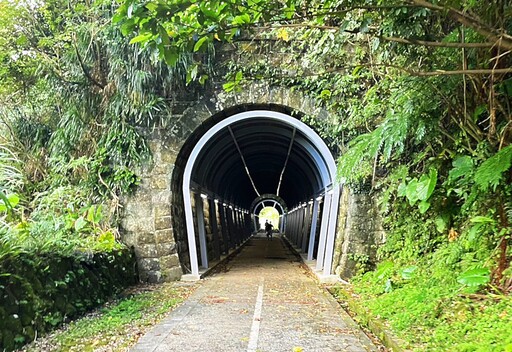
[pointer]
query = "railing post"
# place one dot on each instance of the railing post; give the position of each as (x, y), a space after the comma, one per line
(201, 230)
(312, 232)
(323, 231)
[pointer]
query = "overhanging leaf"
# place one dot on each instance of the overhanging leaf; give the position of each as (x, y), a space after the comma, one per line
(423, 206)
(462, 166)
(426, 185)
(411, 191)
(141, 38)
(80, 224)
(408, 273)
(481, 219)
(490, 173)
(200, 43)
(474, 277)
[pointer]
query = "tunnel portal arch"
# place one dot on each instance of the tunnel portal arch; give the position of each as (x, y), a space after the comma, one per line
(220, 165)
(152, 218)
(268, 200)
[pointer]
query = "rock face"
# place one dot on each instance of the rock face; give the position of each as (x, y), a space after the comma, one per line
(154, 221)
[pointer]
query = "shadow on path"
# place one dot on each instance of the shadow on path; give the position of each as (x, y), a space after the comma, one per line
(262, 300)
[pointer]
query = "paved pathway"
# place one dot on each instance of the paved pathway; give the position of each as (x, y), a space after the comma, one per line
(263, 300)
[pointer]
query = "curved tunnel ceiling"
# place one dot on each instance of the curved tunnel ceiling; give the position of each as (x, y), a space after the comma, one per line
(264, 144)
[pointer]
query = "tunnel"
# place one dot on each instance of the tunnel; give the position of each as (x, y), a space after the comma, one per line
(246, 158)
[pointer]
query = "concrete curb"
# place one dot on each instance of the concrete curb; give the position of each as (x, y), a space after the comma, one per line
(376, 326)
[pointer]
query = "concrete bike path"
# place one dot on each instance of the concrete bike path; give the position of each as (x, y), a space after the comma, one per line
(261, 301)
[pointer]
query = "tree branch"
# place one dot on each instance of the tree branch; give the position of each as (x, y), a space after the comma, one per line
(501, 39)
(458, 72)
(85, 69)
(436, 44)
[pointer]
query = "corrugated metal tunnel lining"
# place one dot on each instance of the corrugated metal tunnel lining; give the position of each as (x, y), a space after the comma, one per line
(239, 158)
(264, 145)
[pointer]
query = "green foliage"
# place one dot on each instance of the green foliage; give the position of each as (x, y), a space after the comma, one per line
(435, 144)
(429, 315)
(123, 320)
(419, 190)
(46, 289)
(474, 277)
(72, 102)
(490, 173)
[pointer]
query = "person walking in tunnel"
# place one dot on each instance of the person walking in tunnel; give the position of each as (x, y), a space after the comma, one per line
(268, 229)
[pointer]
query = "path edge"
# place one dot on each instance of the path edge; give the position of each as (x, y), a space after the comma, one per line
(359, 314)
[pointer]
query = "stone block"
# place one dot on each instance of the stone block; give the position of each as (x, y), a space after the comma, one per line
(172, 274)
(161, 197)
(162, 210)
(145, 238)
(148, 264)
(154, 277)
(154, 145)
(168, 156)
(169, 261)
(137, 210)
(165, 249)
(146, 251)
(162, 223)
(159, 182)
(164, 236)
(137, 225)
(141, 195)
(129, 238)
(162, 169)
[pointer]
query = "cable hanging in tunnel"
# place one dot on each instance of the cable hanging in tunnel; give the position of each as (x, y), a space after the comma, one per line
(243, 161)
(286, 161)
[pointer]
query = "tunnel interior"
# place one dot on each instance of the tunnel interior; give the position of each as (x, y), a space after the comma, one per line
(235, 160)
(264, 145)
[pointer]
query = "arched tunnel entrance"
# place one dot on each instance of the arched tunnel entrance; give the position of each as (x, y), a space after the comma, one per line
(265, 202)
(236, 162)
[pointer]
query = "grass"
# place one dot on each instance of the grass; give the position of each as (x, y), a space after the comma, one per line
(430, 311)
(119, 324)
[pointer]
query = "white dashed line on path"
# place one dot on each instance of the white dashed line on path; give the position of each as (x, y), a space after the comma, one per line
(255, 328)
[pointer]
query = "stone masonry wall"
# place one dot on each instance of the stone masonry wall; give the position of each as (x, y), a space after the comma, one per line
(153, 219)
(146, 222)
(359, 234)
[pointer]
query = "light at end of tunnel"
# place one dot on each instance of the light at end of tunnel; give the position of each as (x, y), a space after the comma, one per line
(204, 196)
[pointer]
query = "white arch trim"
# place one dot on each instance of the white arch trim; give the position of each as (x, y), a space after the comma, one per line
(270, 200)
(328, 180)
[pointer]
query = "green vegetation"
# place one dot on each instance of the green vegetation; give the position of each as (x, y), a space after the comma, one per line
(419, 99)
(271, 214)
(427, 307)
(118, 325)
(72, 94)
(418, 95)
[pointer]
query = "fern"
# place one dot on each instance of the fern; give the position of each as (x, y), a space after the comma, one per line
(355, 163)
(490, 173)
